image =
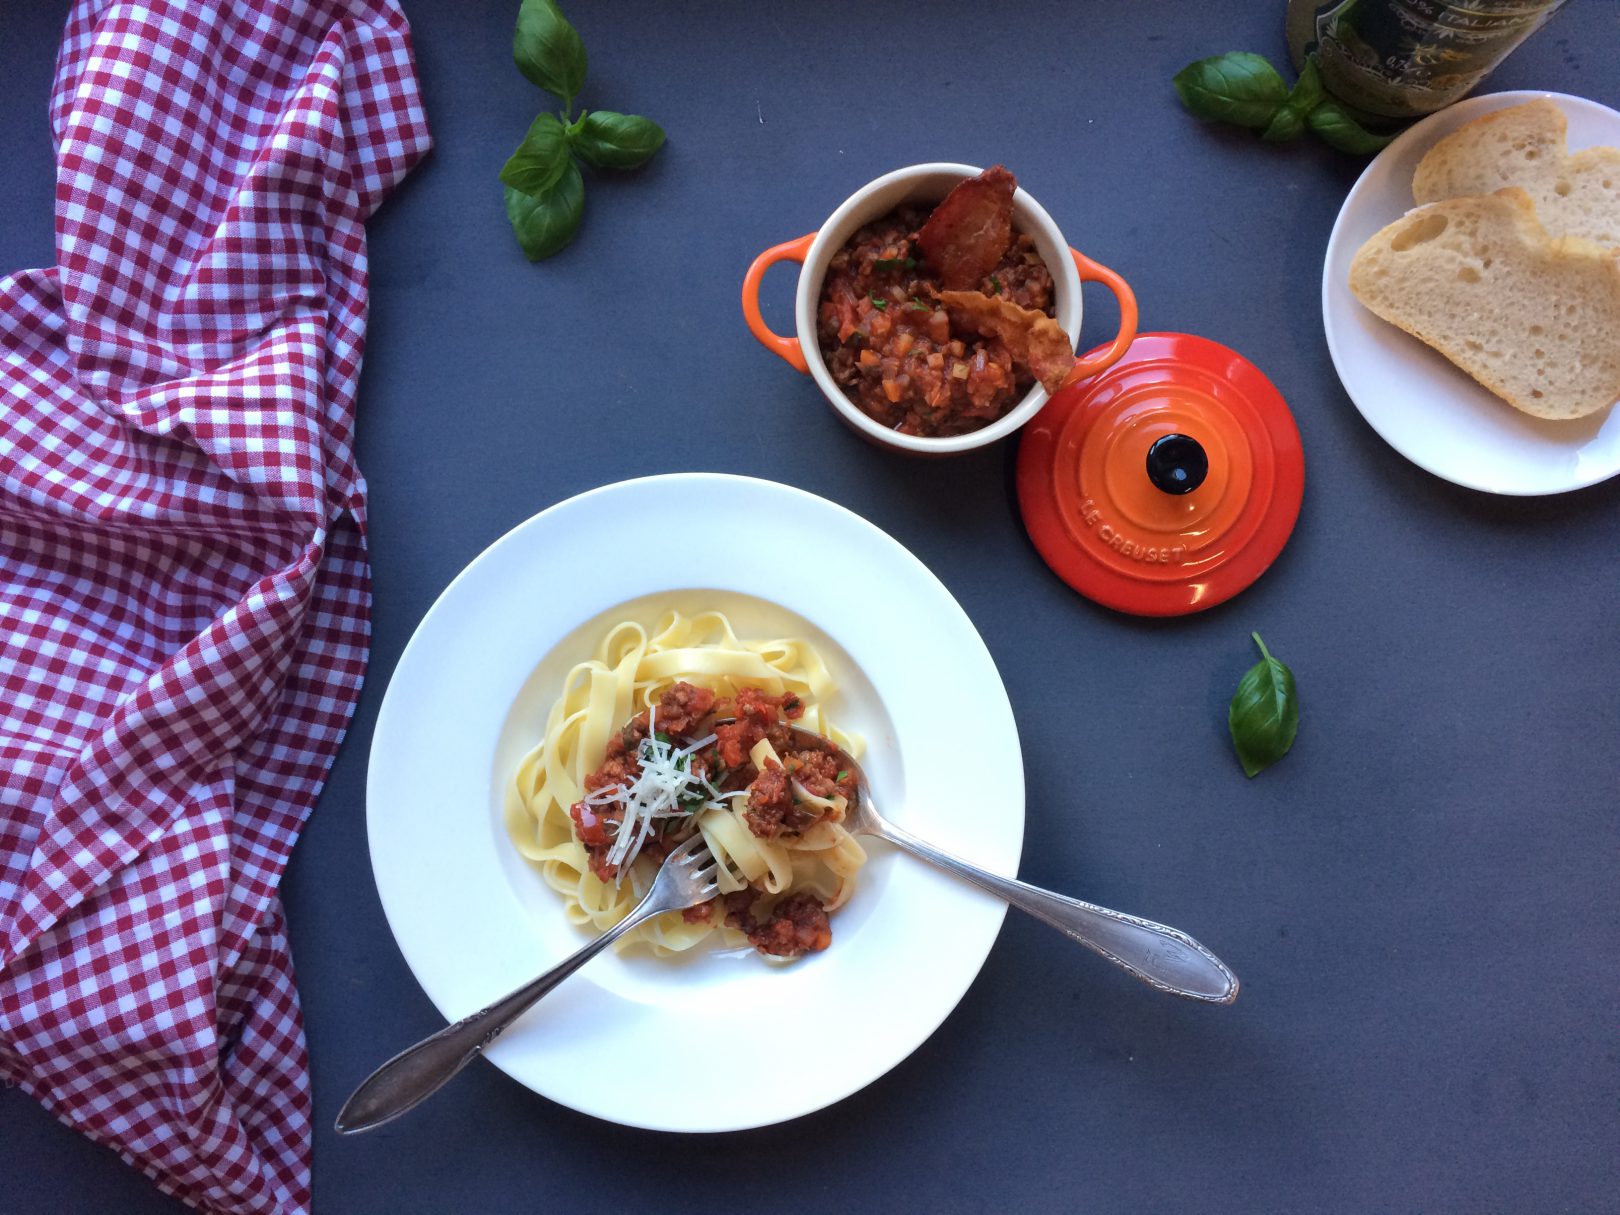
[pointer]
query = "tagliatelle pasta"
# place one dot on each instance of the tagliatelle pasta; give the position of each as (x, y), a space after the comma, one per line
(779, 861)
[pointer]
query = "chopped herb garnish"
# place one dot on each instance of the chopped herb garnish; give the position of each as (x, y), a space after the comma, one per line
(995, 285)
(895, 263)
(661, 737)
(917, 305)
(880, 305)
(842, 774)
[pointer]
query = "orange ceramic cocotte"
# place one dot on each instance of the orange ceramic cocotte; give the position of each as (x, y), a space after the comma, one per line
(1166, 484)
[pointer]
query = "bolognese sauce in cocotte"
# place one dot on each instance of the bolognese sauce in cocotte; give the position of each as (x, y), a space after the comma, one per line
(938, 322)
(611, 790)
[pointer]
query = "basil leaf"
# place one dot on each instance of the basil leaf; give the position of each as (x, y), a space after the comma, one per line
(541, 158)
(1304, 97)
(1264, 714)
(616, 141)
(1238, 87)
(1341, 131)
(548, 49)
(545, 224)
(1307, 92)
(1287, 125)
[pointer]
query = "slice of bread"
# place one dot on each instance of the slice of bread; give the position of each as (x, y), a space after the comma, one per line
(1534, 319)
(1524, 146)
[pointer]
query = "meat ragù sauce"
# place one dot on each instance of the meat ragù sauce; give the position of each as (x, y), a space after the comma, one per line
(771, 807)
(890, 344)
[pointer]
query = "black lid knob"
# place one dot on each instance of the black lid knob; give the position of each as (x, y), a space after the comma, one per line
(1177, 464)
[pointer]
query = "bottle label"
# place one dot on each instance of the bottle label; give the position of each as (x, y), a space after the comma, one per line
(1405, 57)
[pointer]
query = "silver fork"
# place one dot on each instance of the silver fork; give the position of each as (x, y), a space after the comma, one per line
(686, 879)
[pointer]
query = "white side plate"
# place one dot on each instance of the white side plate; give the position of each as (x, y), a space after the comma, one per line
(1425, 407)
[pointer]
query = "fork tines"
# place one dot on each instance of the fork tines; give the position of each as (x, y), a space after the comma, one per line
(695, 866)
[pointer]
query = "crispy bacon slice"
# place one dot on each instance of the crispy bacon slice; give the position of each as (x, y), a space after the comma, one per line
(1033, 339)
(971, 229)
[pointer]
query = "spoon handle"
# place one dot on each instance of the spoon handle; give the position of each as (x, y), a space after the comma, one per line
(419, 1071)
(1162, 957)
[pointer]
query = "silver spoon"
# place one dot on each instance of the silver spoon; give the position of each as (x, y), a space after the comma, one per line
(1162, 957)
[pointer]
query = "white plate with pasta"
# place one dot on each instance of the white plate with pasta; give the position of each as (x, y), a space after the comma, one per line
(504, 701)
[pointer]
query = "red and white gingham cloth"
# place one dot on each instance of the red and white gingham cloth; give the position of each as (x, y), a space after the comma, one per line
(183, 583)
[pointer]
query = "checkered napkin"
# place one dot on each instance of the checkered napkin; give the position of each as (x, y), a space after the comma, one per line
(183, 582)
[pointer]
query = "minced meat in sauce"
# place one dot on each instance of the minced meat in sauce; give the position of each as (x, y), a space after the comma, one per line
(796, 924)
(891, 346)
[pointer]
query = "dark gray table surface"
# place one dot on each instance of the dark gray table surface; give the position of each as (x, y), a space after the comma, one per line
(1421, 899)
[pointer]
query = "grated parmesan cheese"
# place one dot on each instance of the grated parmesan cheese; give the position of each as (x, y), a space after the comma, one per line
(665, 788)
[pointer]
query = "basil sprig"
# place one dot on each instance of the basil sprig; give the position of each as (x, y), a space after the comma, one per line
(545, 193)
(1264, 713)
(1244, 89)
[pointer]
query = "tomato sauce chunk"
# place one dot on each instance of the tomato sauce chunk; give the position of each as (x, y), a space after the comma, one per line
(796, 925)
(818, 772)
(682, 706)
(758, 714)
(591, 825)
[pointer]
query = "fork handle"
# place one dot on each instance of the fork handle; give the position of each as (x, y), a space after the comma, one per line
(419, 1071)
(1162, 957)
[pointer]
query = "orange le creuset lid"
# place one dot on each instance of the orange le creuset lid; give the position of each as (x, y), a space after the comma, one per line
(1166, 484)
